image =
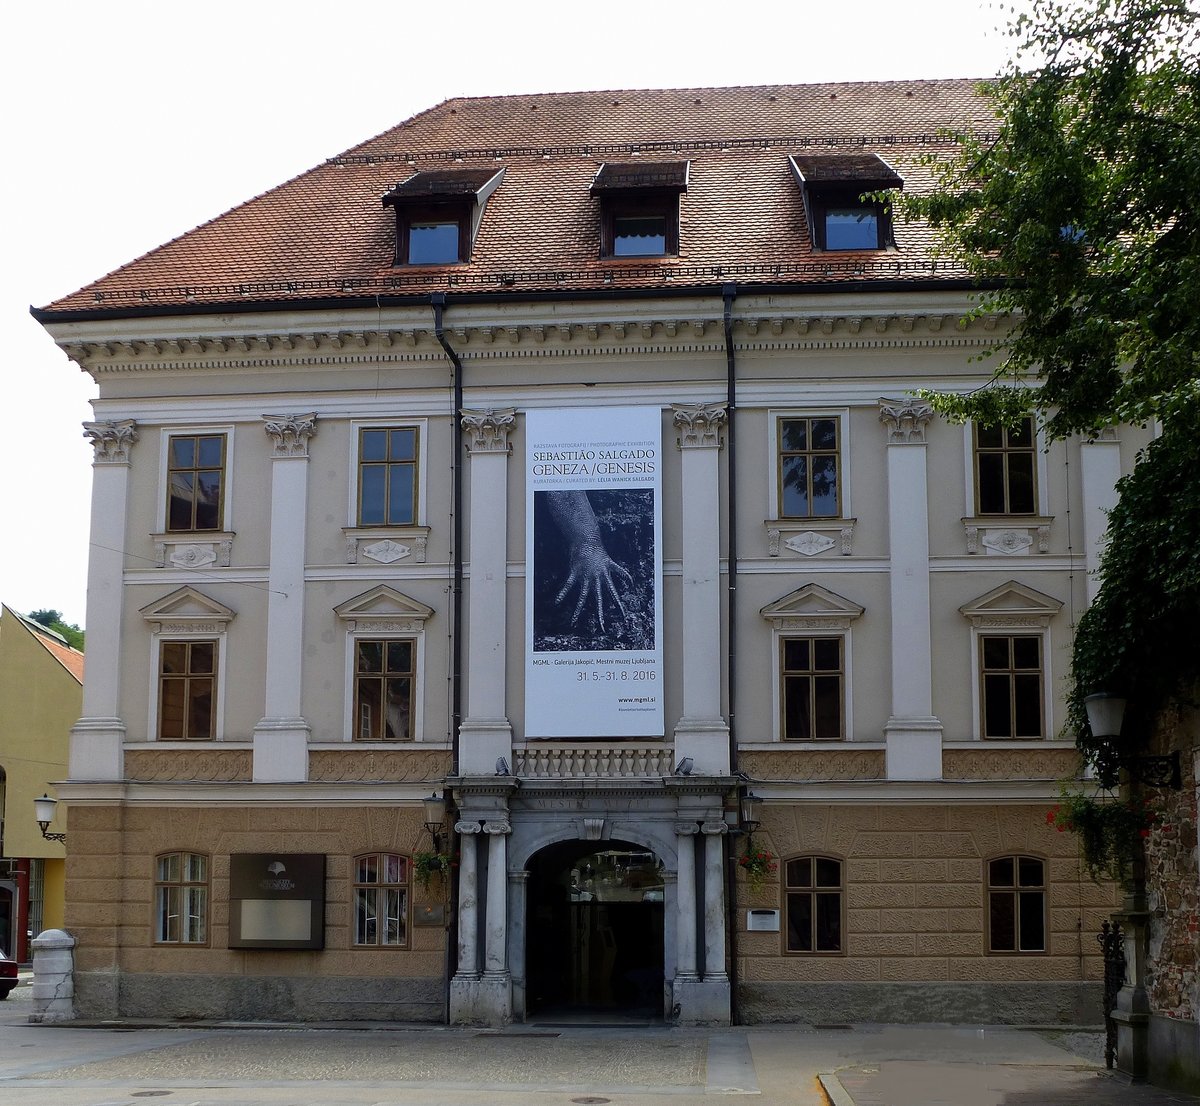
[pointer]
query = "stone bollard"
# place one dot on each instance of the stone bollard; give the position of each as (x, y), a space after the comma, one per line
(53, 977)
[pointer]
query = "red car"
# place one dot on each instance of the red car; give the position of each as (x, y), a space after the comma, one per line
(8, 974)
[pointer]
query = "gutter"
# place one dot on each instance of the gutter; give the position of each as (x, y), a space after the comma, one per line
(438, 303)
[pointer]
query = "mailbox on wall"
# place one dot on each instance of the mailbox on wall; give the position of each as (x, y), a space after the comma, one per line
(277, 901)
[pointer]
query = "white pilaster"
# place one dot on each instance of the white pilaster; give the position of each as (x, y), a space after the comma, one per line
(685, 899)
(714, 902)
(281, 738)
(914, 735)
(97, 738)
(702, 732)
(1100, 469)
(485, 733)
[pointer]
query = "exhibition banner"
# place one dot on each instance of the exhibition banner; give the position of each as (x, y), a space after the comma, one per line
(593, 564)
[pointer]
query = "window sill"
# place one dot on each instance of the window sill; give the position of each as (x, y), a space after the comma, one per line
(193, 548)
(810, 537)
(1007, 535)
(385, 545)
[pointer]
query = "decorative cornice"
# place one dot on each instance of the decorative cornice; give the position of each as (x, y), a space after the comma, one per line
(112, 441)
(904, 420)
(208, 765)
(488, 430)
(354, 765)
(289, 434)
(699, 424)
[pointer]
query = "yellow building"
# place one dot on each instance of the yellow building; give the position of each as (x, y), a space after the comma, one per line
(40, 698)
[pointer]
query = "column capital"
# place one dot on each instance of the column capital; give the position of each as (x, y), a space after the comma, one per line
(497, 828)
(686, 829)
(468, 827)
(112, 441)
(488, 430)
(289, 434)
(699, 424)
(714, 828)
(904, 420)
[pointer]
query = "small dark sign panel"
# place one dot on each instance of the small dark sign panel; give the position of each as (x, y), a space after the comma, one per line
(277, 901)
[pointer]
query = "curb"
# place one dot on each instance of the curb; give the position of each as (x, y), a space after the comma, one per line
(834, 1091)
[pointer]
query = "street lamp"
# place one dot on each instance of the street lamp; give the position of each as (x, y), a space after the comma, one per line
(1106, 715)
(435, 815)
(43, 810)
(751, 804)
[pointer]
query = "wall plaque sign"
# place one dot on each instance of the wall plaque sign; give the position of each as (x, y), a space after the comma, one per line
(277, 901)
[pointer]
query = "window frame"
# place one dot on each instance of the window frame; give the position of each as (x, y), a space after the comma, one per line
(640, 204)
(161, 885)
(380, 885)
(416, 466)
(781, 641)
(1011, 672)
(186, 678)
(1005, 452)
(162, 515)
(828, 200)
(841, 416)
(357, 427)
(1040, 480)
(187, 615)
(459, 212)
(990, 889)
(383, 677)
(786, 890)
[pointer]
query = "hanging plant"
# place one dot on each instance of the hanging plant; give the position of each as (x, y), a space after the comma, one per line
(757, 864)
(1111, 831)
(427, 866)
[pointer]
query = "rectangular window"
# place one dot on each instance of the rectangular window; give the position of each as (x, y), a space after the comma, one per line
(813, 893)
(387, 476)
(851, 227)
(1011, 685)
(384, 680)
(1017, 904)
(381, 899)
(181, 899)
(1005, 469)
(433, 243)
(808, 468)
(195, 482)
(644, 226)
(187, 684)
(813, 680)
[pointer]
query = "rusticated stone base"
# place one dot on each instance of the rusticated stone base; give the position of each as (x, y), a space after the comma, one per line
(975, 1003)
(258, 998)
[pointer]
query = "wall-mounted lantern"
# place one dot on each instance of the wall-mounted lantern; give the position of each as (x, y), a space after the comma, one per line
(44, 813)
(435, 815)
(1106, 716)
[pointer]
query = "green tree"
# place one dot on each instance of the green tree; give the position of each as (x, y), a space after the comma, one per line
(1081, 217)
(53, 620)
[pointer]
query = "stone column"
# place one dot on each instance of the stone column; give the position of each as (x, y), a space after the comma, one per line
(702, 732)
(281, 737)
(685, 899)
(518, 884)
(714, 902)
(486, 734)
(1100, 469)
(914, 735)
(496, 920)
(468, 901)
(98, 737)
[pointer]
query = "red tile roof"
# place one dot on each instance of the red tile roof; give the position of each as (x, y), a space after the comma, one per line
(326, 236)
(70, 659)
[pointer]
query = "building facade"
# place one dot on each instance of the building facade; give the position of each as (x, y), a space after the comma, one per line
(40, 697)
(563, 456)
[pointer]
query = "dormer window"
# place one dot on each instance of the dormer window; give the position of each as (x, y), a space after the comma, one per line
(833, 186)
(438, 214)
(639, 208)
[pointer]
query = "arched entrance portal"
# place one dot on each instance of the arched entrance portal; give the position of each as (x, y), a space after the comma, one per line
(594, 931)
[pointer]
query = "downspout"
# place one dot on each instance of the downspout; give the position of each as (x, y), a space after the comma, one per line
(438, 302)
(728, 293)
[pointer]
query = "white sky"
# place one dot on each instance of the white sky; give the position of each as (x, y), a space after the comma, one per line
(127, 122)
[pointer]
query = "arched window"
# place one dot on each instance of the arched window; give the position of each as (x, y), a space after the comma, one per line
(181, 899)
(815, 904)
(1017, 904)
(381, 898)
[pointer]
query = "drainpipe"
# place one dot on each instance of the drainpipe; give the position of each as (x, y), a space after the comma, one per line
(438, 302)
(728, 293)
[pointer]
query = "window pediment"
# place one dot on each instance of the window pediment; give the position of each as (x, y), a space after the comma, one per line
(812, 607)
(382, 609)
(189, 610)
(1012, 605)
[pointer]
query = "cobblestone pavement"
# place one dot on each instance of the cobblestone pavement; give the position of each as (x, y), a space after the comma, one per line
(793, 1065)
